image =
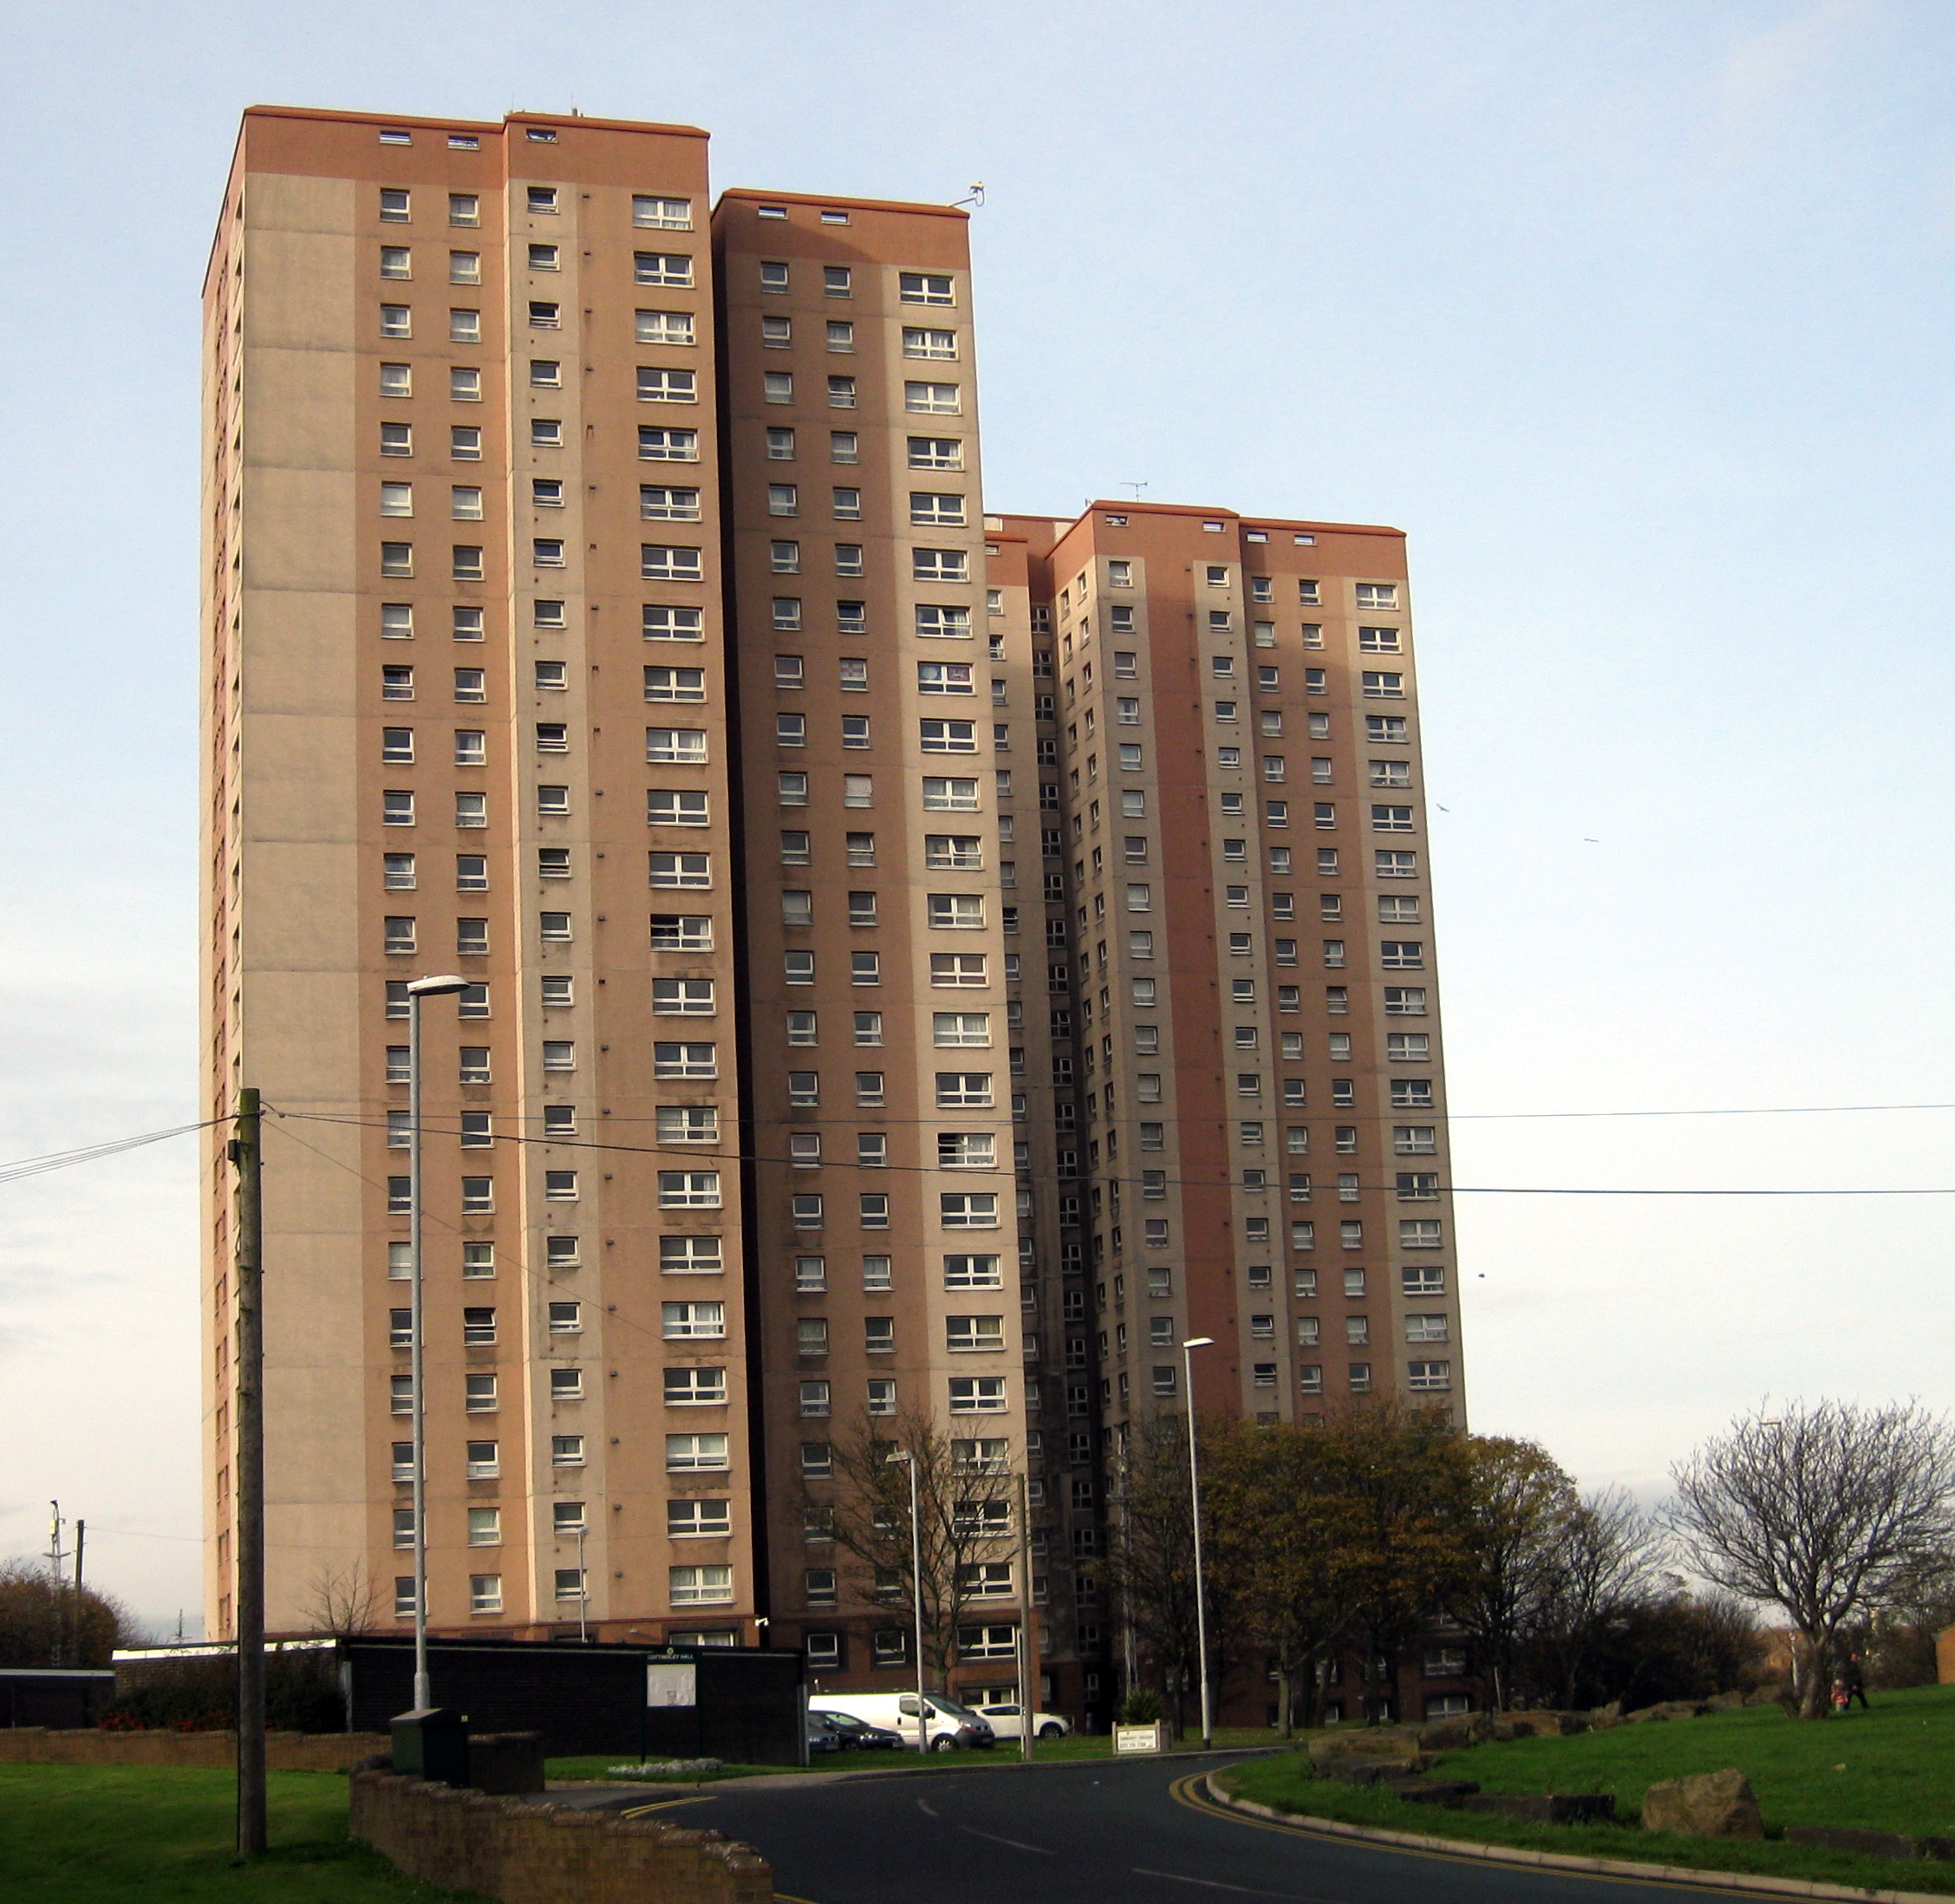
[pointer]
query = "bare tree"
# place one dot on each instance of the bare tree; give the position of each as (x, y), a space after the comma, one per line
(965, 1503)
(1602, 1570)
(342, 1601)
(1149, 1566)
(1822, 1512)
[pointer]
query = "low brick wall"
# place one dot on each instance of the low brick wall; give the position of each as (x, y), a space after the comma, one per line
(208, 1751)
(528, 1854)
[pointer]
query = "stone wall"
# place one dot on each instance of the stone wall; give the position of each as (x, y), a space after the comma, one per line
(532, 1854)
(210, 1751)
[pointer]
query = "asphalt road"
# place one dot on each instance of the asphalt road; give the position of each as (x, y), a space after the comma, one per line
(1097, 1833)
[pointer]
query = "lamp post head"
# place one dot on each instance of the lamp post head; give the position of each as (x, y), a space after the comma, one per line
(900, 1454)
(1199, 1342)
(433, 988)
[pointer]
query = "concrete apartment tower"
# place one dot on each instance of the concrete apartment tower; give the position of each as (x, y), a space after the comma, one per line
(922, 965)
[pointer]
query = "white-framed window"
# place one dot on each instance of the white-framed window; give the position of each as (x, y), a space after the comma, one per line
(679, 1320)
(701, 1586)
(948, 736)
(940, 622)
(966, 1151)
(697, 1454)
(660, 503)
(695, 1388)
(949, 796)
(663, 563)
(706, 1520)
(967, 1209)
(688, 1189)
(974, 1335)
(978, 1395)
(940, 566)
(659, 444)
(955, 911)
(675, 807)
(686, 997)
(964, 1272)
(662, 623)
(675, 684)
(682, 745)
(964, 1091)
(680, 869)
(659, 214)
(690, 1256)
(933, 399)
(664, 327)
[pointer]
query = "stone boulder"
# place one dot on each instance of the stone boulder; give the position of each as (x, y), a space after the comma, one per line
(1371, 1771)
(1450, 1792)
(1364, 1742)
(1868, 1844)
(1724, 1702)
(1539, 1724)
(1666, 1709)
(1449, 1735)
(1718, 1804)
(1548, 1808)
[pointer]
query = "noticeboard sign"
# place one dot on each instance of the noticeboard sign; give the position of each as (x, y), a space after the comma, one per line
(671, 1679)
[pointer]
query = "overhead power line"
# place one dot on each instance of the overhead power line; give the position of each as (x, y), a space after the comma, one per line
(698, 1157)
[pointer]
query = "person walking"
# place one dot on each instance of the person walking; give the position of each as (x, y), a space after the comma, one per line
(1856, 1677)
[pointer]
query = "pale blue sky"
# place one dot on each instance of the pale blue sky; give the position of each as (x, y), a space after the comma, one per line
(1636, 318)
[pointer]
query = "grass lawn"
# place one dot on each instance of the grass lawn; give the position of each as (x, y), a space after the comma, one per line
(1049, 1751)
(1892, 1769)
(102, 1835)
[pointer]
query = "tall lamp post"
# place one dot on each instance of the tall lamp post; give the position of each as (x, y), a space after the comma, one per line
(1188, 1350)
(909, 1460)
(418, 989)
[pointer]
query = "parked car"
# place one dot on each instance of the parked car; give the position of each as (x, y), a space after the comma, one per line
(949, 1725)
(851, 1734)
(1006, 1722)
(821, 1737)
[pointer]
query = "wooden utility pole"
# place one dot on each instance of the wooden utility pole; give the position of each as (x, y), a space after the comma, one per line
(248, 1462)
(1028, 1629)
(81, 1541)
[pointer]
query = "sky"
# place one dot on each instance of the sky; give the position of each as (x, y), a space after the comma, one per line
(1634, 318)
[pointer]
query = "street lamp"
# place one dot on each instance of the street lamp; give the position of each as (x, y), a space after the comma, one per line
(417, 991)
(909, 1460)
(1188, 1350)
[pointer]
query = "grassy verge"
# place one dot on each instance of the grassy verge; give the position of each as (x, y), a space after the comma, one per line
(102, 1835)
(1048, 1751)
(598, 1768)
(1888, 1769)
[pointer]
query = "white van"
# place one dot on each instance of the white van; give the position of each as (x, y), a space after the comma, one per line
(950, 1725)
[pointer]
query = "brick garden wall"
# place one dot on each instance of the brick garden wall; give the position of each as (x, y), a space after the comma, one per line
(210, 1751)
(527, 1854)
